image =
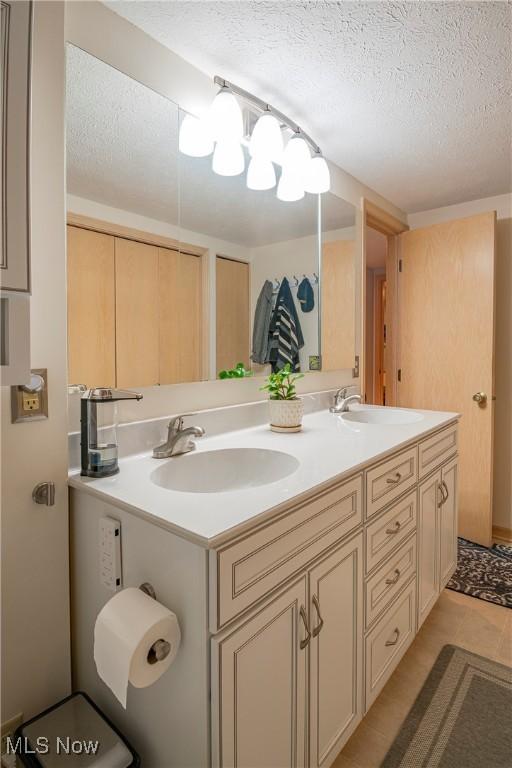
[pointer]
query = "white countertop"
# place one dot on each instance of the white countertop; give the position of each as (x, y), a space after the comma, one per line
(328, 449)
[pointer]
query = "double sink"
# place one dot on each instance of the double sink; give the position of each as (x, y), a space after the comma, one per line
(233, 469)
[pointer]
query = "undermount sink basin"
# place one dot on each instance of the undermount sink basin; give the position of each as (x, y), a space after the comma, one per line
(230, 469)
(382, 416)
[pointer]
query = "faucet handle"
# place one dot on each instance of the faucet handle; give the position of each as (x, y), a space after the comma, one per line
(175, 425)
(342, 392)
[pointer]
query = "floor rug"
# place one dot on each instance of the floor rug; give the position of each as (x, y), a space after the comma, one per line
(484, 573)
(461, 717)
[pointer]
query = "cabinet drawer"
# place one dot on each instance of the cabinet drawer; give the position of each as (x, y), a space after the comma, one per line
(393, 527)
(437, 449)
(243, 572)
(388, 641)
(389, 580)
(390, 479)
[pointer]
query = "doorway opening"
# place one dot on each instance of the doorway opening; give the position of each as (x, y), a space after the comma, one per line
(376, 317)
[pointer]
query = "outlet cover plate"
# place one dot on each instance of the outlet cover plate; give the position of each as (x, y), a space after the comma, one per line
(30, 406)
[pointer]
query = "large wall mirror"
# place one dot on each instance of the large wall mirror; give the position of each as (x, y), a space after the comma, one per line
(174, 271)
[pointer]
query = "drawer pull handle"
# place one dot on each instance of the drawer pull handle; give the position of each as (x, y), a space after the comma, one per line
(445, 487)
(392, 531)
(318, 628)
(396, 633)
(394, 579)
(305, 642)
(394, 480)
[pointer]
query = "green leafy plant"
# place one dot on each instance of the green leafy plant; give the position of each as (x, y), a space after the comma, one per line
(281, 385)
(238, 372)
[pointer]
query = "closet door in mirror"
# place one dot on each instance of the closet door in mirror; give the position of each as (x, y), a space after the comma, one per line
(232, 314)
(91, 308)
(181, 313)
(136, 313)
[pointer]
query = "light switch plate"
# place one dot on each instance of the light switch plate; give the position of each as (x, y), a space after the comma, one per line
(30, 406)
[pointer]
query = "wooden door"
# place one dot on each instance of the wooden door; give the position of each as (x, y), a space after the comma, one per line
(137, 344)
(448, 523)
(428, 545)
(180, 316)
(232, 279)
(446, 346)
(91, 308)
(259, 687)
(338, 305)
(335, 651)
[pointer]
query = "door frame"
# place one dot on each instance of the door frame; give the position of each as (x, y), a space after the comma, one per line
(378, 219)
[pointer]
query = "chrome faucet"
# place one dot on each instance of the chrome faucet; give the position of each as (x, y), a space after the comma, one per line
(342, 400)
(178, 441)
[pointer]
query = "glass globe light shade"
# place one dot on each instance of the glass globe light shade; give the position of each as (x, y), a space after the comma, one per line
(318, 178)
(289, 188)
(266, 139)
(195, 139)
(261, 174)
(228, 158)
(225, 117)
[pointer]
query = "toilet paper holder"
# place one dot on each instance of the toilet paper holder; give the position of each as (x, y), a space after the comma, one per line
(160, 648)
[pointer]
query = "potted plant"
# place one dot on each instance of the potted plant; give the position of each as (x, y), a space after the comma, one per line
(285, 407)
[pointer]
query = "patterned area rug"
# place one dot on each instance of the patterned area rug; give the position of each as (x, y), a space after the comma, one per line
(461, 718)
(484, 573)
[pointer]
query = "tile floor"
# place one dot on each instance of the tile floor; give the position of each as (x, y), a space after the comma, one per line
(481, 627)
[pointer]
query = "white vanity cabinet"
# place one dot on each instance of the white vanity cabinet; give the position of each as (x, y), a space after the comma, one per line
(307, 639)
(291, 624)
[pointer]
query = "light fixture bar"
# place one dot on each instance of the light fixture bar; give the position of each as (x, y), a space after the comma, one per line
(263, 106)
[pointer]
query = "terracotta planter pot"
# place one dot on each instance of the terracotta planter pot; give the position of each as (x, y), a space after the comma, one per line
(286, 415)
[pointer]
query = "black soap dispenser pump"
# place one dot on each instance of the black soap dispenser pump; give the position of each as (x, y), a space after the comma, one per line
(98, 429)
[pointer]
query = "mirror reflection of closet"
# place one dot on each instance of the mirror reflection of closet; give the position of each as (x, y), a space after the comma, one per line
(339, 270)
(166, 259)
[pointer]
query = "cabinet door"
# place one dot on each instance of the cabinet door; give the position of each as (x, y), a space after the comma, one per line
(428, 545)
(335, 651)
(448, 523)
(259, 687)
(137, 346)
(91, 308)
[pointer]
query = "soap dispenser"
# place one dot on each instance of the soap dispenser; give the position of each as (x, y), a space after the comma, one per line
(98, 428)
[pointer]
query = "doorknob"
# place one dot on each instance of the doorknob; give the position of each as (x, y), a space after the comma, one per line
(480, 398)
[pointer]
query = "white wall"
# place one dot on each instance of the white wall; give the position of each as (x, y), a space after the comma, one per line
(35, 578)
(502, 204)
(289, 258)
(294, 257)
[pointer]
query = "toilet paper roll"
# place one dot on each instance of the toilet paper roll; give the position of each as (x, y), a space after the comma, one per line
(126, 629)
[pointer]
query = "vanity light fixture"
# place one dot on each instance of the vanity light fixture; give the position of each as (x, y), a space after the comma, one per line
(224, 124)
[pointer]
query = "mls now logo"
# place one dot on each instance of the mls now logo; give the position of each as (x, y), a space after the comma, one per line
(62, 746)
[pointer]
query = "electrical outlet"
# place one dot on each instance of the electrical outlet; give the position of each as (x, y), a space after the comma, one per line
(8, 729)
(30, 402)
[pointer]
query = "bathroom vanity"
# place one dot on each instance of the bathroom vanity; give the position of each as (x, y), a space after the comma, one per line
(297, 597)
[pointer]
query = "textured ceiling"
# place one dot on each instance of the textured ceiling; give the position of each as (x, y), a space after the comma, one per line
(121, 141)
(412, 98)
